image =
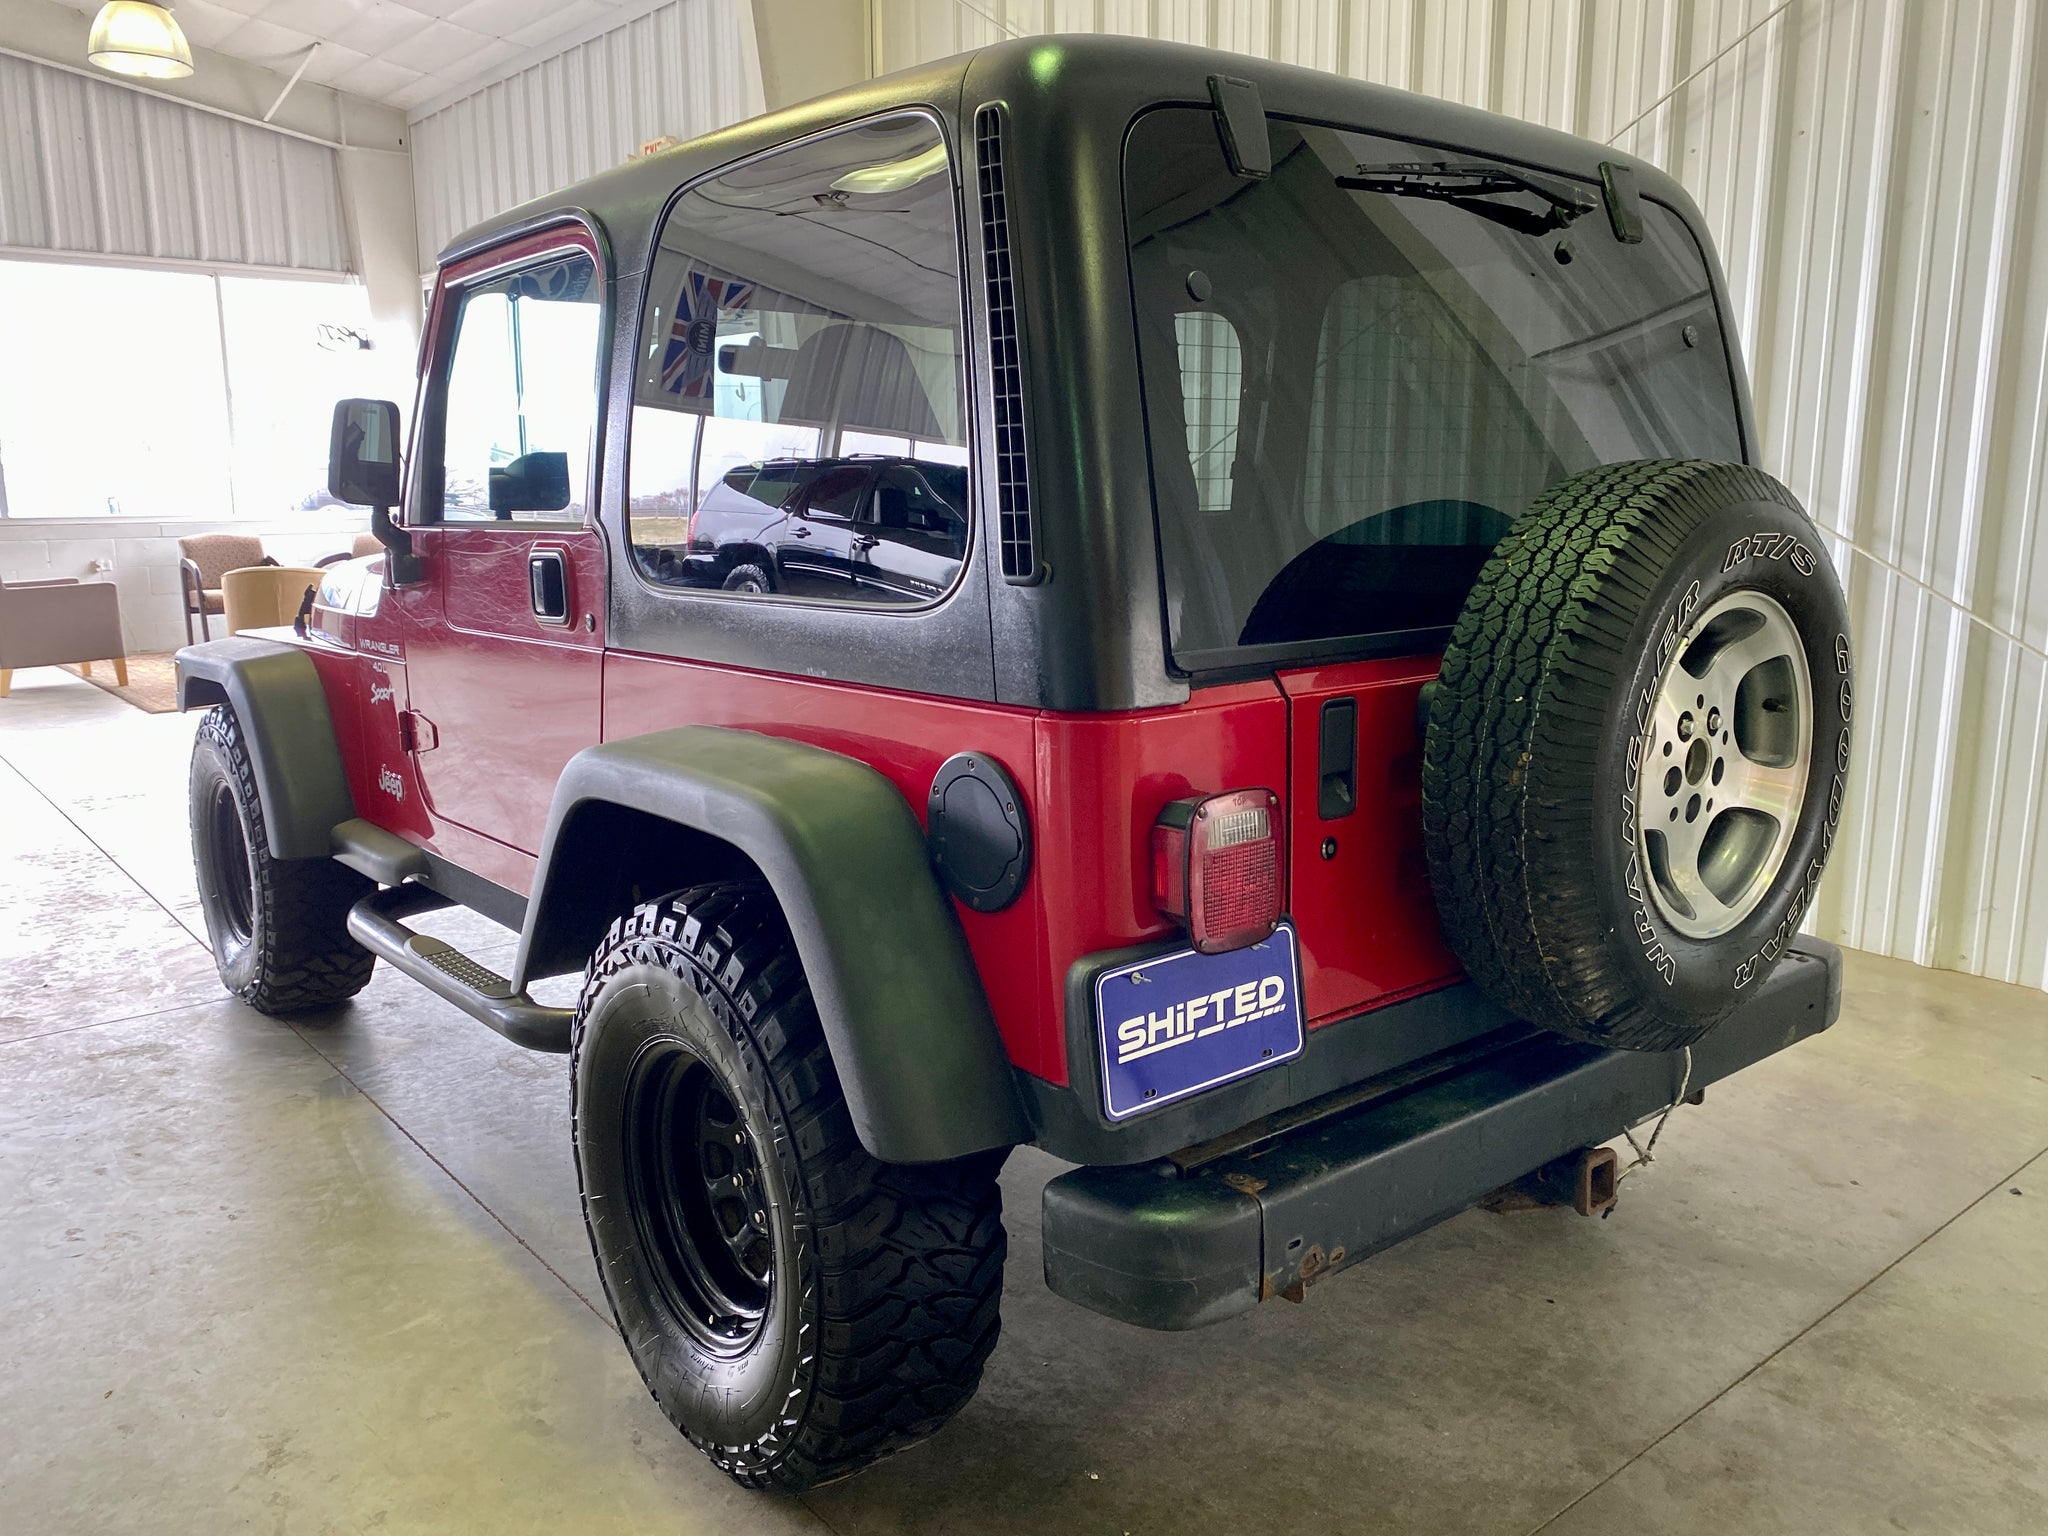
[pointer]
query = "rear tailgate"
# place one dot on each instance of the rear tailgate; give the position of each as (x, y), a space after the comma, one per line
(1358, 882)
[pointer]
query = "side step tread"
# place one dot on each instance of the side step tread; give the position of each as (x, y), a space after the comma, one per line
(377, 922)
(452, 962)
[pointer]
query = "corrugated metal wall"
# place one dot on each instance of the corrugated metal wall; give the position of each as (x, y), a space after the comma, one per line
(88, 167)
(1872, 170)
(684, 69)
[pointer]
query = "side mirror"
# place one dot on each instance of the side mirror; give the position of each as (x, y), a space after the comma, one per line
(362, 453)
(533, 482)
(362, 470)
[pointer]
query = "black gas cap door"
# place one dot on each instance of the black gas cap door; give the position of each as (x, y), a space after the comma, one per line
(979, 836)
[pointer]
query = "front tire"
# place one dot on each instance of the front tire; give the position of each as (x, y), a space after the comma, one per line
(279, 927)
(796, 1308)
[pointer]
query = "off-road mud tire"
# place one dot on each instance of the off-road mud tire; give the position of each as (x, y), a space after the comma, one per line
(279, 927)
(1529, 788)
(882, 1303)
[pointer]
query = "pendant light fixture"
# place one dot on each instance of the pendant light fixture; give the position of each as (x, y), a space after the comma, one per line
(132, 38)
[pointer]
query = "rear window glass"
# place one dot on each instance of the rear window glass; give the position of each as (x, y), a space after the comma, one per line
(1360, 370)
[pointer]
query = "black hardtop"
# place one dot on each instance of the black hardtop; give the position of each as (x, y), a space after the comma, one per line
(1092, 635)
(1081, 78)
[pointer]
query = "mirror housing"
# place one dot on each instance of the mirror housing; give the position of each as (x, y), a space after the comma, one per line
(363, 469)
(362, 453)
(533, 482)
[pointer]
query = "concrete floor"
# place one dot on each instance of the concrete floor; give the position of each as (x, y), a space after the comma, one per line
(331, 1277)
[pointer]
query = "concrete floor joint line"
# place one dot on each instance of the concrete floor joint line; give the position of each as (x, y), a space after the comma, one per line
(398, 1126)
(1999, 1186)
(104, 852)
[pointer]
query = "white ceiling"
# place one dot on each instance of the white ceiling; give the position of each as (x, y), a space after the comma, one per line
(403, 53)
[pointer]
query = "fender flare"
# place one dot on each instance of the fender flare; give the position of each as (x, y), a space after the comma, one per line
(918, 1054)
(278, 700)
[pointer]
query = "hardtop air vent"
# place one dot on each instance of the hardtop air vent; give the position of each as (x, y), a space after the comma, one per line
(1006, 375)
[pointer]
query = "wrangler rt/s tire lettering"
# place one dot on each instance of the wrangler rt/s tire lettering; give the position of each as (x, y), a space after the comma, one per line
(796, 1308)
(279, 927)
(1636, 758)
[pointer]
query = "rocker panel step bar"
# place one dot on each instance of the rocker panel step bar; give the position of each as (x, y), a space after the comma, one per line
(377, 922)
(1161, 1245)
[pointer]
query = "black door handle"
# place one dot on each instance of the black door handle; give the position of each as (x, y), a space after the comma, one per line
(1337, 760)
(547, 575)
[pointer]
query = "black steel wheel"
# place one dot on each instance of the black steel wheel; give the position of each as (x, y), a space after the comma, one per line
(279, 927)
(693, 1179)
(797, 1308)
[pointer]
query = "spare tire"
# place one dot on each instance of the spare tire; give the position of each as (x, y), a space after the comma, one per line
(1637, 750)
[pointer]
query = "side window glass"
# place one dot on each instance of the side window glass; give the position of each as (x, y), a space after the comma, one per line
(800, 341)
(1211, 384)
(520, 404)
(838, 492)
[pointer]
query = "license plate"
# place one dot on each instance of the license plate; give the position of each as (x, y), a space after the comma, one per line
(1180, 1023)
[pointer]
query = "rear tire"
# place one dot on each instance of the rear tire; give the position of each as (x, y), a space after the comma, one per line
(1637, 750)
(748, 578)
(796, 1308)
(279, 927)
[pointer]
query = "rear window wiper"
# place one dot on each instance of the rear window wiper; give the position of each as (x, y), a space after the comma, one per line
(1469, 186)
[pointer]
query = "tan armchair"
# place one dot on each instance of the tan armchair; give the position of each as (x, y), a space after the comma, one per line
(54, 623)
(205, 559)
(365, 544)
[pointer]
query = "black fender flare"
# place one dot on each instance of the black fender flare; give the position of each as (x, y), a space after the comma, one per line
(278, 700)
(908, 1023)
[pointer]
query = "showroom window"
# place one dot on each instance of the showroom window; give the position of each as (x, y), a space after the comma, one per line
(138, 392)
(802, 340)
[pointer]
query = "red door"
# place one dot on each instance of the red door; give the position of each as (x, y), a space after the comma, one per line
(505, 638)
(1358, 879)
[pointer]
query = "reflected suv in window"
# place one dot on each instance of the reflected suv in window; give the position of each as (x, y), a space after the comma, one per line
(879, 530)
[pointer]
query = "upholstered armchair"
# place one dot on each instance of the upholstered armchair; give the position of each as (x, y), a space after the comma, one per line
(365, 544)
(55, 623)
(205, 559)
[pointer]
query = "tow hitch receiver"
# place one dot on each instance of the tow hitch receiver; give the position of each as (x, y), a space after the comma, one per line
(1173, 1244)
(1587, 1180)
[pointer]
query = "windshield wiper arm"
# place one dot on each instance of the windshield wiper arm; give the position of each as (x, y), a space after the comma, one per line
(1468, 186)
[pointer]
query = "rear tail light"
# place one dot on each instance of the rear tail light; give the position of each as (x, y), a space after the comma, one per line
(1216, 867)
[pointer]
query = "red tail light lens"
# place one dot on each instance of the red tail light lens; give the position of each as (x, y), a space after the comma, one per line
(1216, 867)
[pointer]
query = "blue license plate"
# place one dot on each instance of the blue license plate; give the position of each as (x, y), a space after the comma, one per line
(1177, 1024)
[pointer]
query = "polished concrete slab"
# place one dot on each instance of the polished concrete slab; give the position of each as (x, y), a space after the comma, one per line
(332, 1276)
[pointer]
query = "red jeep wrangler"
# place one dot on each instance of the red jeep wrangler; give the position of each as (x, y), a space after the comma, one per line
(1213, 619)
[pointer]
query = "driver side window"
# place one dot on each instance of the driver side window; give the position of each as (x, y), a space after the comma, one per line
(520, 403)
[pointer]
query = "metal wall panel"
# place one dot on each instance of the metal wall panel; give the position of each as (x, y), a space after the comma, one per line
(89, 168)
(1871, 171)
(684, 69)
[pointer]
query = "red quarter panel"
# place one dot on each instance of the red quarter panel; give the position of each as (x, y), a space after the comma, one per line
(904, 737)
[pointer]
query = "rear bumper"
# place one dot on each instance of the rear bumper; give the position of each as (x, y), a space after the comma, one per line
(1191, 1240)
